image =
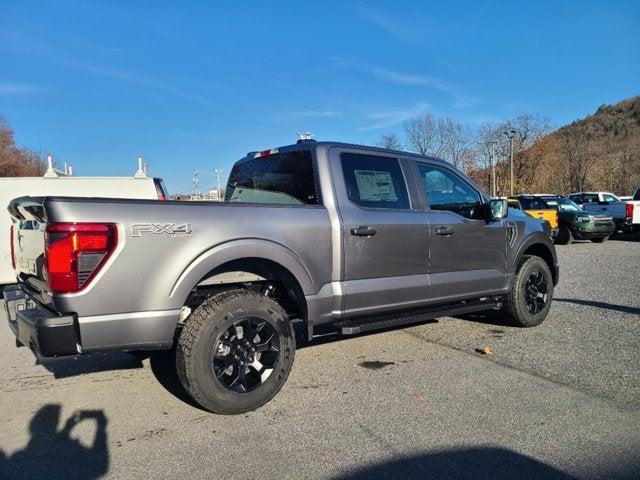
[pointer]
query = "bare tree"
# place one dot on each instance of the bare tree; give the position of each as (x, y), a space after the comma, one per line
(576, 161)
(455, 142)
(422, 135)
(389, 141)
(529, 129)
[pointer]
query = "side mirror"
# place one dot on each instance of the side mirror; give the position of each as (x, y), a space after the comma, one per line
(498, 208)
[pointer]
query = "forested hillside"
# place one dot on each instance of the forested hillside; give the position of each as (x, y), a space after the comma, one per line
(599, 152)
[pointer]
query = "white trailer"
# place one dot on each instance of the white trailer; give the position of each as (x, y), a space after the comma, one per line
(56, 183)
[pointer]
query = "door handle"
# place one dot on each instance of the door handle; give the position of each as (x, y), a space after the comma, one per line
(363, 231)
(444, 231)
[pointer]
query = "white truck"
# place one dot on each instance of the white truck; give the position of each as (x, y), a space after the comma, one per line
(626, 214)
(139, 186)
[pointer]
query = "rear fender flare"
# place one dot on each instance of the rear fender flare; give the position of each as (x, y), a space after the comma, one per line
(223, 253)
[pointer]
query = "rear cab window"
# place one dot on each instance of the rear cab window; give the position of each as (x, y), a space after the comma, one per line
(374, 181)
(281, 178)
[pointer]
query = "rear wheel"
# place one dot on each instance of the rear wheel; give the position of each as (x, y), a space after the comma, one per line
(564, 236)
(599, 240)
(529, 301)
(235, 352)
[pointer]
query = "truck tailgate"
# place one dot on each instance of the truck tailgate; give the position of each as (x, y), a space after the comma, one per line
(28, 241)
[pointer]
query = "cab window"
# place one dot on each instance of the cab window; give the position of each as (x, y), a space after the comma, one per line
(374, 182)
(447, 191)
(284, 178)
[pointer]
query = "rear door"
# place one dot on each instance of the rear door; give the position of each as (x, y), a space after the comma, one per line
(467, 253)
(384, 237)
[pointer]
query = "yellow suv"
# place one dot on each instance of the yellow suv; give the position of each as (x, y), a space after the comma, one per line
(537, 208)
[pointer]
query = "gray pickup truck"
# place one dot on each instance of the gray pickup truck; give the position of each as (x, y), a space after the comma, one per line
(333, 237)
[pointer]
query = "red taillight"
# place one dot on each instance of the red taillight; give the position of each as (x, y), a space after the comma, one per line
(629, 210)
(265, 153)
(75, 252)
(12, 248)
(162, 197)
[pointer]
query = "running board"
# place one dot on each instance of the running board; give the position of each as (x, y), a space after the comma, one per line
(357, 325)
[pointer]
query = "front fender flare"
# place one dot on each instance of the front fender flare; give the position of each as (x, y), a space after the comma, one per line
(537, 238)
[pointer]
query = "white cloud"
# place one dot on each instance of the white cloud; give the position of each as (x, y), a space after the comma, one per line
(314, 113)
(410, 30)
(18, 89)
(394, 117)
(281, 116)
(461, 99)
(139, 80)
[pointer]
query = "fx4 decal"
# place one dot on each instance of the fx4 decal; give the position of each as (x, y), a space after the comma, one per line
(139, 229)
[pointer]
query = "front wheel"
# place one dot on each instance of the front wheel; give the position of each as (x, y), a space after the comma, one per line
(529, 301)
(235, 352)
(565, 237)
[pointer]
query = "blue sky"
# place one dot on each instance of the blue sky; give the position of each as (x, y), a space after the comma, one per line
(198, 84)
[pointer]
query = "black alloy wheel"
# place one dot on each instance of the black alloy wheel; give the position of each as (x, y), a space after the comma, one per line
(246, 354)
(535, 291)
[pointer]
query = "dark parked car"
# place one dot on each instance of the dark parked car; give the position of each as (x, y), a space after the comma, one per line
(576, 223)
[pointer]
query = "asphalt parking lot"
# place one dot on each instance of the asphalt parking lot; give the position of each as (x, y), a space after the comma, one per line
(558, 401)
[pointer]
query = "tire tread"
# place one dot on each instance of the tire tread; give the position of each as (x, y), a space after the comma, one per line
(193, 329)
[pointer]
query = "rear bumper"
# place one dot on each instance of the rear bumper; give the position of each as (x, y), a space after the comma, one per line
(51, 334)
(45, 333)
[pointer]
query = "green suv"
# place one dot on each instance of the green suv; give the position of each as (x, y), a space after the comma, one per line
(576, 223)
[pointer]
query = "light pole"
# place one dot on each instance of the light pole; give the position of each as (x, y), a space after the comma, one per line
(510, 135)
(492, 166)
(218, 172)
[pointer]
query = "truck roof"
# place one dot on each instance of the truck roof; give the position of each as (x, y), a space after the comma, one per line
(313, 144)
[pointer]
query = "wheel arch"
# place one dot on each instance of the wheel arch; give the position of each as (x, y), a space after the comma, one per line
(246, 261)
(539, 248)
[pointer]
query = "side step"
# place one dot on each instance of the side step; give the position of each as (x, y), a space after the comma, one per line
(353, 326)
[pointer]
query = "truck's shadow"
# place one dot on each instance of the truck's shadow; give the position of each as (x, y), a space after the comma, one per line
(53, 453)
(163, 367)
(603, 305)
(460, 464)
(625, 237)
(98, 362)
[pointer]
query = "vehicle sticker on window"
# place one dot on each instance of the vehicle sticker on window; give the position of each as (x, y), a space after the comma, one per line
(375, 186)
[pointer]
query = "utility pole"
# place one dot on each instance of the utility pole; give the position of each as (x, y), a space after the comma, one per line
(510, 135)
(218, 172)
(492, 166)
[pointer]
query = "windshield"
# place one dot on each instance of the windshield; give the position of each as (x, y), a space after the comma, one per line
(562, 204)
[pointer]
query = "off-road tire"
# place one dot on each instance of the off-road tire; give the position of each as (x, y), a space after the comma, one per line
(565, 237)
(515, 308)
(599, 240)
(199, 336)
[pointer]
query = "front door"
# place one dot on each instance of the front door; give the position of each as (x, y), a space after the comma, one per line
(384, 239)
(467, 252)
